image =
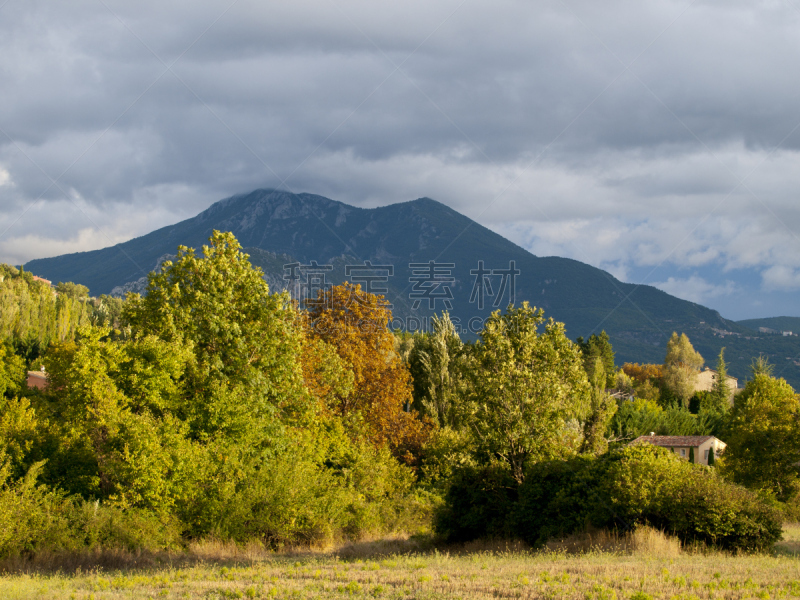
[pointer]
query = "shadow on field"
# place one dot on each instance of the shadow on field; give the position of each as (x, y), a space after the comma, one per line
(643, 541)
(229, 554)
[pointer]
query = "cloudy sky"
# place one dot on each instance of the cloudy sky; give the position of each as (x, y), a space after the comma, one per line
(659, 140)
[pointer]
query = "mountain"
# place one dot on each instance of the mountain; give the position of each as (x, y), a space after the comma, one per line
(279, 228)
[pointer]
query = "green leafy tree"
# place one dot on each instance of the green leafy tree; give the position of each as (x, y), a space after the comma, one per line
(72, 290)
(439, 364)
(12, 371)
(762, 366)
(598, 347)
(106, 311)
(691, 455)
(636, 418)
(117, 403)
(719, 399)
(642, 416)
(681, 366)
(527, 386)
(32, 316)
(603, 408)
(246, 341)
(763, 437)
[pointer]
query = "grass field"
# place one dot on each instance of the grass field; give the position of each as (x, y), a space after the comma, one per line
(655, 568)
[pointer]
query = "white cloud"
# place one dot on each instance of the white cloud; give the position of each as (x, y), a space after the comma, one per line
(695, 289)
(86, 239)
(781, 277)
(519, 115)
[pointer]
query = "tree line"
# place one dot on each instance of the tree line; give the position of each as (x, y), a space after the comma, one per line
(212, 407)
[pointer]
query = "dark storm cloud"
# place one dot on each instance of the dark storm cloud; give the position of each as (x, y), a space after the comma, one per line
(575, 118)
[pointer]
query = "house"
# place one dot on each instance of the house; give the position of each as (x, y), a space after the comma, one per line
(681, 444)
(620, 394)
(706, 379)
(43, 280)
(37, 380)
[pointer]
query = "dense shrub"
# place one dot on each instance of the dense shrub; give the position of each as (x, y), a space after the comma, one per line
(556, 499)
(294, 500)
(633, 486)
(645, 484)
(34, 518)
(477, 504)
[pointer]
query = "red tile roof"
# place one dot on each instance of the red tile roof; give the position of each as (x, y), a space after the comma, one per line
(674, 441)
(37, 379)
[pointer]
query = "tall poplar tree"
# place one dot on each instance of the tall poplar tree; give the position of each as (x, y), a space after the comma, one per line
(719, 399)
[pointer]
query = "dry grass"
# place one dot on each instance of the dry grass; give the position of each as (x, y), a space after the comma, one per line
(642, 541)
(790, 545)
(642, 566)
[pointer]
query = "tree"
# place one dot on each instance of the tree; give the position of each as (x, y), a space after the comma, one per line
(647, 380)
(719, 400)
(598, 347)
(762, 366)
(12, 371)
(712, 458)
(603, 408)
(763, 437)
(245, 341)
(681, 365)
(325, 374)
(636, 418)
(354, 324)
(691, 455)
(527, 385)
(31, 316)
(118, 404)
(437, 365)
(72, 290)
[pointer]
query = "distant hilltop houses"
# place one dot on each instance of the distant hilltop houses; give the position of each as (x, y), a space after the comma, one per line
(769, 330)
(43, 280)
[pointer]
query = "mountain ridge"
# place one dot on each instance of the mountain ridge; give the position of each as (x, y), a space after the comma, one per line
(307, 227)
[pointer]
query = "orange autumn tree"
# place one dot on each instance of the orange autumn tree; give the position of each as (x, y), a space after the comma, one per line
(647, 380)
(325, 374)
(643, 373)
(354, 323)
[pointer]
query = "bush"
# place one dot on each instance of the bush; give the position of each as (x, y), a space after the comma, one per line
(554, 499)
(31, 516)
(631, 487)
(477, 504)
(34, 518)
(645, 484)
(312, 492)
